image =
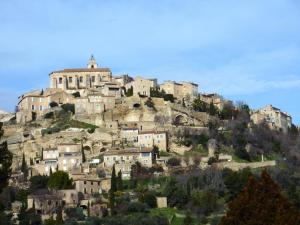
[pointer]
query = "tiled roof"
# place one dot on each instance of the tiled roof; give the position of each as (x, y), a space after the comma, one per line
(82, 70)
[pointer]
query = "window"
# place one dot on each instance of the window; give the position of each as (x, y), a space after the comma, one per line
(32, 99)
(93, 78)
(84, 182)
(70, 79)
(60, 80)
(84, 191)
(41, 108)
(80, 79)
(92, 190)
(32, 107)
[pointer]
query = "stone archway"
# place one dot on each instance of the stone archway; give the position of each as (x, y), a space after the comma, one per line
(180, 120)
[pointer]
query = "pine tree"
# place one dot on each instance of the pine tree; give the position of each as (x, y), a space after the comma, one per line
(261, 203)
(24, 167)
(119, 181)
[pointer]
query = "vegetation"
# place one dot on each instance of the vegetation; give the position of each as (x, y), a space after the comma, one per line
(24, 167)
(129, 92)
(65, 121)
(5, 161)
(60, 180)
(261, 203)
(157, 93)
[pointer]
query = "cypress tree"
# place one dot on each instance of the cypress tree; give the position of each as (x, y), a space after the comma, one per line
(24, 167)
(114, 179)
(5, 162)
(88, 209)
(50, 172)
(120, 181)
(113, 188)
(83, 155)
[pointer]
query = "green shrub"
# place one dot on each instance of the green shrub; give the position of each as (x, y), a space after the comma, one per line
(68, 107)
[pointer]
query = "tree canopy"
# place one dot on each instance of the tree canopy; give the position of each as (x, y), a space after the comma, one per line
(60, 180)
(261, 202)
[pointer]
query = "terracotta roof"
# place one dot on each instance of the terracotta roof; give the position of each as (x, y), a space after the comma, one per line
(82, 70)
(128, 151)
(152, 132)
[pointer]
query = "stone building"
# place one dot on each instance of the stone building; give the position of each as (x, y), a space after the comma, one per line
(125, 158)
(33, 104)
(50, 160)
(142, 86)
(274, 117)
(216, 99)
(150, 139)
(78, 79)
(129, 134)
(45, 202)
(122, 80)
(183, 90)
(70, 156)
(94, 103)
(89, 185)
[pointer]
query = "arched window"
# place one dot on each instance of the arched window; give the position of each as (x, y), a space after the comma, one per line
(60, 80)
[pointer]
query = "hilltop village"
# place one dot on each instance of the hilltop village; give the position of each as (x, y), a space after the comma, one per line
(99, 129)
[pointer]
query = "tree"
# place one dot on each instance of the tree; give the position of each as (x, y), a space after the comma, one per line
(173, 161)
(24, 167)
(38, 182)
(5, 162)
(60, 180)
(129, 92)
(212, 109)
(53, 104)
(68, 107)
(119, 181)
(199, 105)
(113, 188)
(150, 199)
(83, 155)
(188, 220)
(50, 172)
(261, 203)
(89, 209)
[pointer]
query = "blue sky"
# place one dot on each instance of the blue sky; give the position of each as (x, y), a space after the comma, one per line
(243, 49)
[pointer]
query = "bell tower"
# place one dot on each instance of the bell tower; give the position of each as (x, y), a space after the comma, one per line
(92, 64)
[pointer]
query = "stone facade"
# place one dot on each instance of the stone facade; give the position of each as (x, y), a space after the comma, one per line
(125, 158)
(274, 117)
(34, 104)
(70, 156)
(183, 90)
(142, 86)
(129, 134)
(90, 185)
(150, 139)
(216, 99)
(72, 80)
(94, 103)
